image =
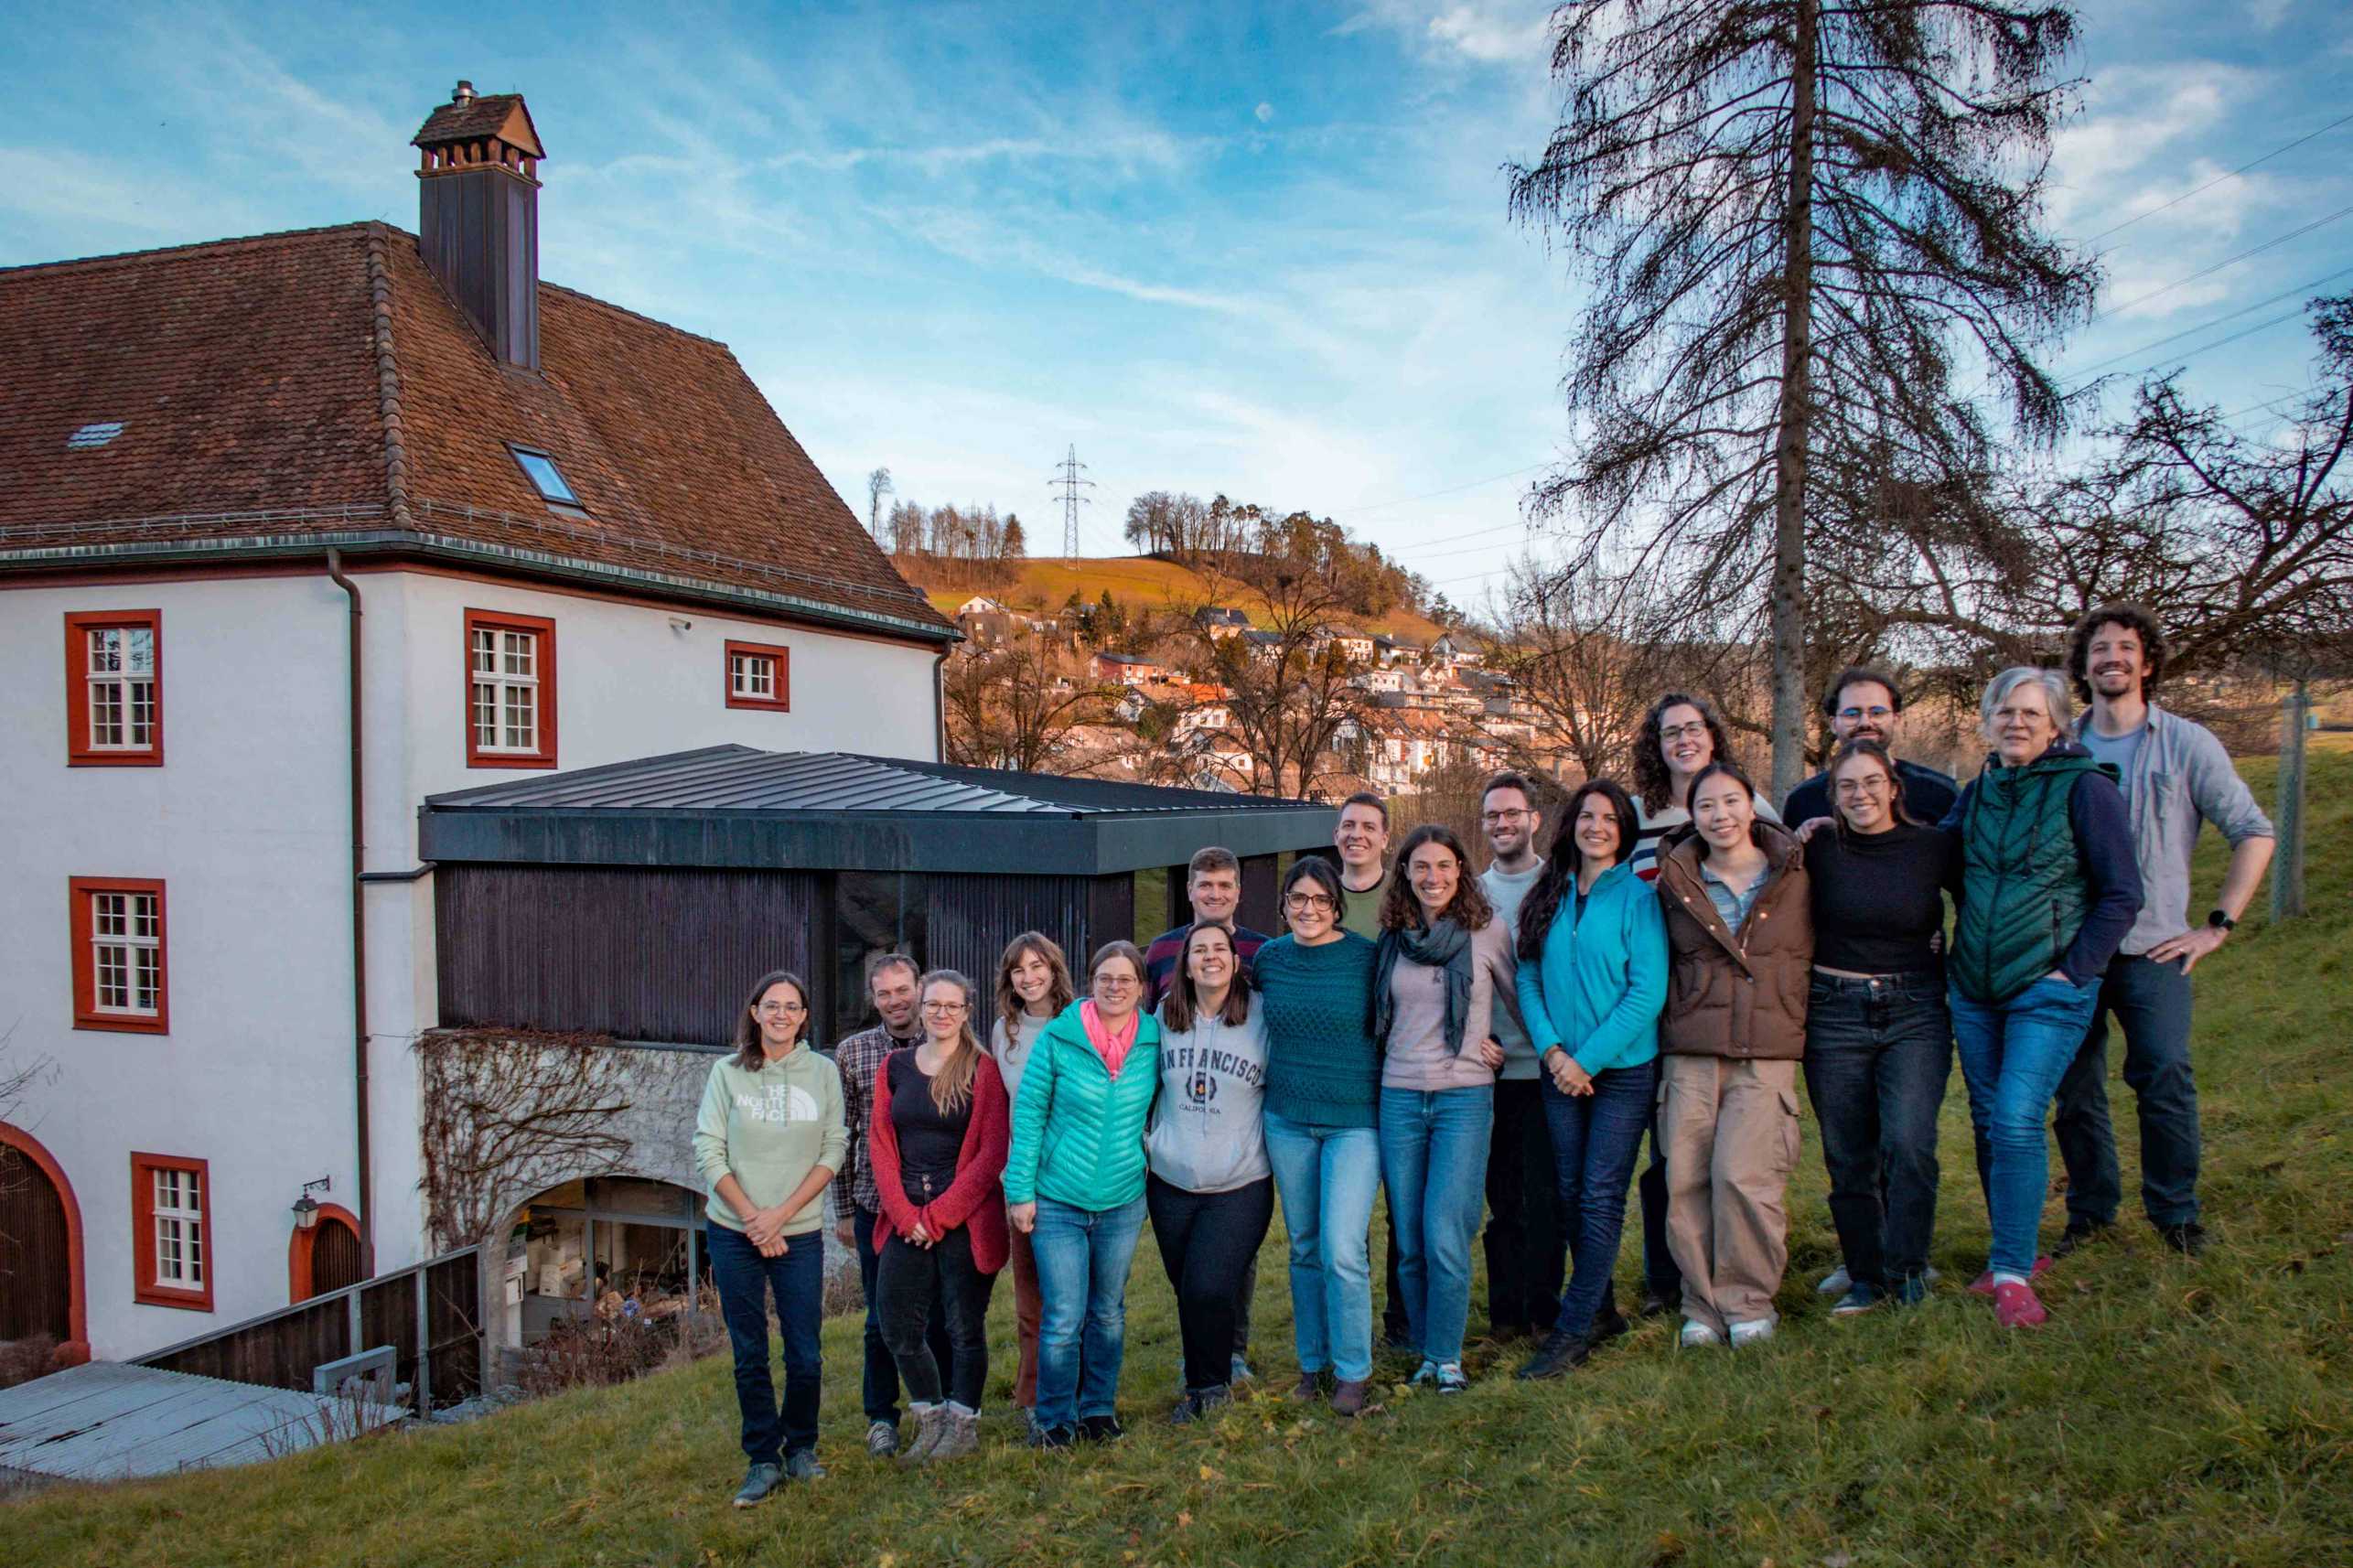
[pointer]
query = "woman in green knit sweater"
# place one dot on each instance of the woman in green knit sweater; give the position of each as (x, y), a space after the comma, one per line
(1322, 1116)
(1074, 1185)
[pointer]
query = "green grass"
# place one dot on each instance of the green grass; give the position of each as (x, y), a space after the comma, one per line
(2172, 1412)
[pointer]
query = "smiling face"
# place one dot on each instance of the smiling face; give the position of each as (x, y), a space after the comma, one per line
(1308, 910)
(1865, 711)
(1684, 743)
(2114, 661)
(1363, 839)
(782, 1014)
(945, 1009)
(1032, 978)
(1215, 894)
(894, 993)
(2021, 727)
(1509, 821)
(1117, 986)
(1865, 794)
(1723, 811)
(1600, 837)
(1210, 958)
(1435, 875)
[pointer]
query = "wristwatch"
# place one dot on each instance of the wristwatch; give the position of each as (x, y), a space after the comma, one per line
(2220, 921)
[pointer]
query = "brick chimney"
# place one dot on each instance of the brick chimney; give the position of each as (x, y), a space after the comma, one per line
(478, 221)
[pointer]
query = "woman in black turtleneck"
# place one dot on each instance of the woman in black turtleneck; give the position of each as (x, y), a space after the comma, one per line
(1878, 1036)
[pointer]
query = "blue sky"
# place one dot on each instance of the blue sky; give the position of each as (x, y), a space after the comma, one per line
(1261, 250)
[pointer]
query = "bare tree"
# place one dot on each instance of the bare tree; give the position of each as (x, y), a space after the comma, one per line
(878, 487)
(1013, 708)
(1290, 692)
(505, 1113)
(1792, 215)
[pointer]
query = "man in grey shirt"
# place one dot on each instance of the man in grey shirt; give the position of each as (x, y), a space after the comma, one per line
(1524, 1248)
(2177, 777)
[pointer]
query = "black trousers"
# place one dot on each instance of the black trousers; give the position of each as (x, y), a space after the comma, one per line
(1208, 1240)
(879, 1383)
(1522, 1241)
(909, 1280)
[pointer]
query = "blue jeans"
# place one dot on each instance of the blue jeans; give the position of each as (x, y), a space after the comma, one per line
(744, 1280)
(2012, 1054)
(1878, 1052)
(2150, 1001)
(1327, 1177)
(1594, 1139)
(1433, 1162)
(1083, 1256)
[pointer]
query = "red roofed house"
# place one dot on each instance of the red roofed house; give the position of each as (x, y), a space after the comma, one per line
(296, 530)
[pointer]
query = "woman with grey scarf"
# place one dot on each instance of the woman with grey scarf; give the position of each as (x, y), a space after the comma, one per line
(1443, 958)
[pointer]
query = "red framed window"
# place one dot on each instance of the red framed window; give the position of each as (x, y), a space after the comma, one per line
(121, 968)
(114, 688)
(509, 690)
(760, 675)
(171, 1231)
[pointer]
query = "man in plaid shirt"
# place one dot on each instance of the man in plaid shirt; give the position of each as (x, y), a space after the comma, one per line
(891, 985)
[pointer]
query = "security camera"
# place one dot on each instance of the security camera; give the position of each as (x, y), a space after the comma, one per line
(680, 623)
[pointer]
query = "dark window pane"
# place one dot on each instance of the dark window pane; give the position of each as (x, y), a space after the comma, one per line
(542, 471)
(872, 911)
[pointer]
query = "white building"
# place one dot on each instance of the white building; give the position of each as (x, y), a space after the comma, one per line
(325, 522)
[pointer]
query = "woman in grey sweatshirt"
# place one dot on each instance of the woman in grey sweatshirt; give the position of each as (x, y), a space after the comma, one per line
(1208, 1188)
(1443, 959)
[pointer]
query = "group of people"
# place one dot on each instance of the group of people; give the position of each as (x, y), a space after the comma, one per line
(1500, 1043)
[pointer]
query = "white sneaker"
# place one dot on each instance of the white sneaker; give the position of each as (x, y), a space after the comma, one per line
(1697, 1335)
(1838, 1281)
(1752, 1331)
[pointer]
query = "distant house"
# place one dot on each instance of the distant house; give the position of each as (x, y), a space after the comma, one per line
(1379, 678)
(980, 605)
(1454, 649)
(1356, 646)
(1264, 646)
(1397, 650)
(1402, 745)
(1128, 669)
(1222, 624)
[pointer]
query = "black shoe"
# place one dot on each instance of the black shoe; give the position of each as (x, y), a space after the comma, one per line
(1198, 1403)
(1101, 1429)
(2188, 1240)
(1653, 1305)
(2079, 1233)
(1053, 1436)
(1608, 1324)
(1561, 1352)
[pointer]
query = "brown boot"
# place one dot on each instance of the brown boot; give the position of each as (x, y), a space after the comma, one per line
(930, 1425)
(1348, 1396)
(1310, 1386)
(959, 1436)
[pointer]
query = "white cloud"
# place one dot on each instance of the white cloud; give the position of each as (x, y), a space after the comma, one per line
(1484, 32)
(1265, 113)
(2268, 14)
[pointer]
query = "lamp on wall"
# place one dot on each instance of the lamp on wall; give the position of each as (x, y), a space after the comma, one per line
(305, 1208)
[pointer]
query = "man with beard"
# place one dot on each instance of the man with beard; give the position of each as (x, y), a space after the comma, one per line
(1524, 1251)
(2177, 777)
(1862, 703)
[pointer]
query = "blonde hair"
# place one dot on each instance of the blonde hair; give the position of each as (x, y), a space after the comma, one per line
(951, 1086)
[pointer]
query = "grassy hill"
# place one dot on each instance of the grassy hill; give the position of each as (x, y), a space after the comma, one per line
(1044, 585)
(2173, 1413)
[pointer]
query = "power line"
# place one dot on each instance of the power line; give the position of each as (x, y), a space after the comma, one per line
(2218, 179)
(2224, 262)
(1068, 481)
(1450, 490)
(2216, 321)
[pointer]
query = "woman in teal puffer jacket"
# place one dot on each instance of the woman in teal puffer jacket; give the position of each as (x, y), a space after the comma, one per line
(1074, 1183)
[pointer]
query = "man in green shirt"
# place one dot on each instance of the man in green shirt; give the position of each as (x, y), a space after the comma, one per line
(1363, 839)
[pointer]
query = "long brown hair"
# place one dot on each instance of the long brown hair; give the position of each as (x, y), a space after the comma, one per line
(1566, 862)
(1059, 992)
(1877, 752)
(749, 1052)
(951, 1086)
(1401, 910)
(1182, 1005)
(1652, 780)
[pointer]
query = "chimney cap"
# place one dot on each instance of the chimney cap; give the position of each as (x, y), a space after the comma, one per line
(469, 116)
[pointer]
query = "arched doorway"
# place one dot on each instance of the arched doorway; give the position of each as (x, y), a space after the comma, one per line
(41, 1286)
(325, 1256)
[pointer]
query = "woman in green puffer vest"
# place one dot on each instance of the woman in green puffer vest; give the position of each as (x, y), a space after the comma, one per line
(2049, 887)
(1074, 1184)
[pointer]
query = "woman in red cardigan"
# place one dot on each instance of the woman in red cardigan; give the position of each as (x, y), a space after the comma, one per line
(939, 1147)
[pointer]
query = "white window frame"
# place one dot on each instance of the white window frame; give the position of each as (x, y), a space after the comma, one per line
(126, 943)
(503, 686)
(761, 667)
(178, 1230)
(122, 686)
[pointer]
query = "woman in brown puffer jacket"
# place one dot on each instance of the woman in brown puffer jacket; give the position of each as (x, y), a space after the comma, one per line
(1740, 943)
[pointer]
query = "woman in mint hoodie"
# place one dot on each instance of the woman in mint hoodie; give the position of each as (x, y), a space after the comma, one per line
(767, 1140)
(1074, 1185)
(1591, 981)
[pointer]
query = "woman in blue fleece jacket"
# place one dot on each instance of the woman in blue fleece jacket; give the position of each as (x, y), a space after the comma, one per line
(1591, 981)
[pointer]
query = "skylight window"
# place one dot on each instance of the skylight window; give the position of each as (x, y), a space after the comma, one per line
(92, 436)
(545, 477)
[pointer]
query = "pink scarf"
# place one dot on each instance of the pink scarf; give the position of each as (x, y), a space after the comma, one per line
(1111, 1048)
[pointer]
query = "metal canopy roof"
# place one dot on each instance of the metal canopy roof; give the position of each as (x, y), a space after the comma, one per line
(735, 806)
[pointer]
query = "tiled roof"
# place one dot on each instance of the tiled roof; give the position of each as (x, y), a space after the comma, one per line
(473, 120)
(322, 382)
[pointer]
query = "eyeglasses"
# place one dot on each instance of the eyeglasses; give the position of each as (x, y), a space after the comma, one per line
(771, 1009)
(945, 1009)
(1683, 732)
(1116, 982)
(1503, 819)
(1877, 716)
(1306, 903)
